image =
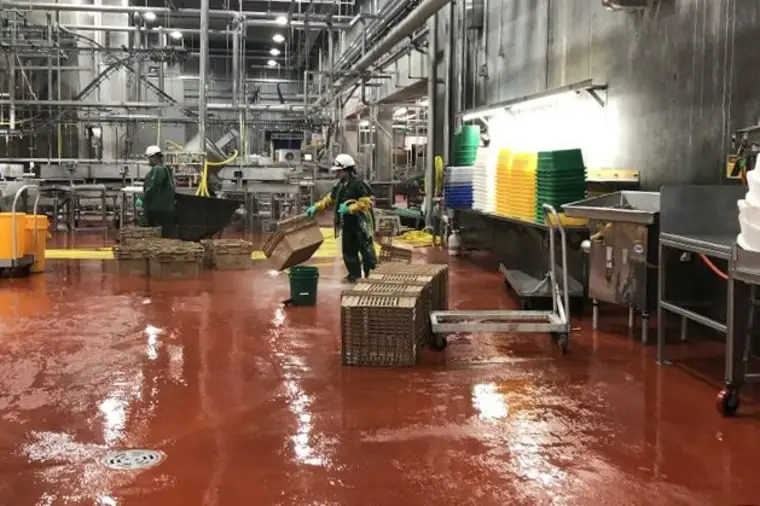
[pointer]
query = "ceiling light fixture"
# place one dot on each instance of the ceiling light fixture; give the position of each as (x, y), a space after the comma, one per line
(272, 63)
(274, 51)
(149, 16)
(281, 20)
(176, 35)
(278, 38)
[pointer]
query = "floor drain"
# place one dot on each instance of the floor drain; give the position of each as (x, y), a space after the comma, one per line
(126, 460)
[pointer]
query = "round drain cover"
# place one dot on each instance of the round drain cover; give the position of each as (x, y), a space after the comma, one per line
(126, 460)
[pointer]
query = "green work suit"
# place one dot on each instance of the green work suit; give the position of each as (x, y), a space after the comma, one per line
(356, 228)
(159, 200)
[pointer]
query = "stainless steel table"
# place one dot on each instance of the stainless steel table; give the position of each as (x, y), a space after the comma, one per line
(701, 220)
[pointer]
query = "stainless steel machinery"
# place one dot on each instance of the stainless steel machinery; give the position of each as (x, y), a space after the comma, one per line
(622, 251)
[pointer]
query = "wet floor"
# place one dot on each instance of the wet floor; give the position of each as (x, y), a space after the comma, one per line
(251, 406)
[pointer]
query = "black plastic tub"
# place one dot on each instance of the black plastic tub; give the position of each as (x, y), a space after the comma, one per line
(201, 217)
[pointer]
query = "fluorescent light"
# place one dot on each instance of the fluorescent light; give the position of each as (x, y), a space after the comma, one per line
(281, 20)
(278, 38)
(149, 16)
(274, 51)
(272, 63)
(176, 35)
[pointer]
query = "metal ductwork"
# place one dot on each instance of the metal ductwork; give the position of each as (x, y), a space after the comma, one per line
(625, 5)
(416, 19)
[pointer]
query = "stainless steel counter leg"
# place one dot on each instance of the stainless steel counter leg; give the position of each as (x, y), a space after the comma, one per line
(738, 310)
(645, 328)
(661, 358)
(595, 314)
(684, 328)
(631, 318)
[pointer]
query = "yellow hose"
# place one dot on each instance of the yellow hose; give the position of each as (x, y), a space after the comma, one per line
(438, 176)
(203, 185)
(417, 238)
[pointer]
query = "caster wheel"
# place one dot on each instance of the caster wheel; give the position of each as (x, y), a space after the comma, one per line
(526, 305)
(728, 401)
(439, 342)
(562, 340)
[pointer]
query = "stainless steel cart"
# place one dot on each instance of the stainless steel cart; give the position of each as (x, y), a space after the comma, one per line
(741, 303)
(555, 322)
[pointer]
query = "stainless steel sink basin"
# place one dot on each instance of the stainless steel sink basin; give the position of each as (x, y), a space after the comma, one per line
(625, 206)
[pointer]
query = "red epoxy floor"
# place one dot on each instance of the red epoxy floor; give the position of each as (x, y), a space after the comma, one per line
(252, 407)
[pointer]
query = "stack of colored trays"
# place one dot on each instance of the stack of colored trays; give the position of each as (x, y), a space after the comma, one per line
(466, 144)
(480, 183)
(502, 182)
(457, 187)
(521, 200)
(561, 179)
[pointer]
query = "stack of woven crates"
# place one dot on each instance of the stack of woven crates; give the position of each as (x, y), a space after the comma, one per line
(142, 252)
(385, 320)
(227, 254)
(128, 235)
(172, 259)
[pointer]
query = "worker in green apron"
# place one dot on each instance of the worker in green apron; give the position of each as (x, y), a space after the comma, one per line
(354, 217)
(158, 194)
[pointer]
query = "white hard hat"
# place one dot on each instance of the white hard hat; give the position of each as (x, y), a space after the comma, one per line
(152, 150)
(343, 161)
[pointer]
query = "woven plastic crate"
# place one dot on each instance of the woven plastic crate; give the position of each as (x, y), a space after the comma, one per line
(132, 257)
(418, 291)
(391, 253)
(428, 299)
(132, 267)
(379, 330)
(186, 269)
(173, 259)
(235, 262)
(295, 242)
(128, 235)
(227, 254)
(439, 273)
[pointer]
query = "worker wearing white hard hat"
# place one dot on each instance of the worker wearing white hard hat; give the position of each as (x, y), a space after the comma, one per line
(352, 199)
(158, 195)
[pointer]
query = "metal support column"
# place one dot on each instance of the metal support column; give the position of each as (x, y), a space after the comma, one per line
(203, 78)
(432, 116)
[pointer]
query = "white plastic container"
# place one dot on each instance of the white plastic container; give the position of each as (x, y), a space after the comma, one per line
(753, 181)
(454, 243)
(750, 234)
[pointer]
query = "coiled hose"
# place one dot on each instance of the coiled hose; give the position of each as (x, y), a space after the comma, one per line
(203, 185)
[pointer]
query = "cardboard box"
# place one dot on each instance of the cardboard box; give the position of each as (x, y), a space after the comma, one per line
(295, 242)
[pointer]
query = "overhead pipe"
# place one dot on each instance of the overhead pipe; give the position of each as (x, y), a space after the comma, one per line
(388, 10)
(149, 105)
(254, 18)
(406, 28)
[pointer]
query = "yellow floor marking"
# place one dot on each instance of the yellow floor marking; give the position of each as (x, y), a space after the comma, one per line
(329, 249)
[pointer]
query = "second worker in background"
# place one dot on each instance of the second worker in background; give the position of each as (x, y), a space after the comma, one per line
(352, 199)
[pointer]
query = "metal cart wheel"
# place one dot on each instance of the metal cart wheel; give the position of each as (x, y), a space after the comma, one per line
(439, 342)
(562, 339)
(728, 401)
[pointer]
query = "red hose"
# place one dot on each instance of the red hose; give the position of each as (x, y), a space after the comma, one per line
(722, 275)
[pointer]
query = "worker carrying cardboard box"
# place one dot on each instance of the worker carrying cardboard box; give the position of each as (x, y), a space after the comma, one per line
(158, 196)
(352, 199)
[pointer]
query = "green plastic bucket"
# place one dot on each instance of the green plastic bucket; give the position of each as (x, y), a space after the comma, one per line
(303, 285)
